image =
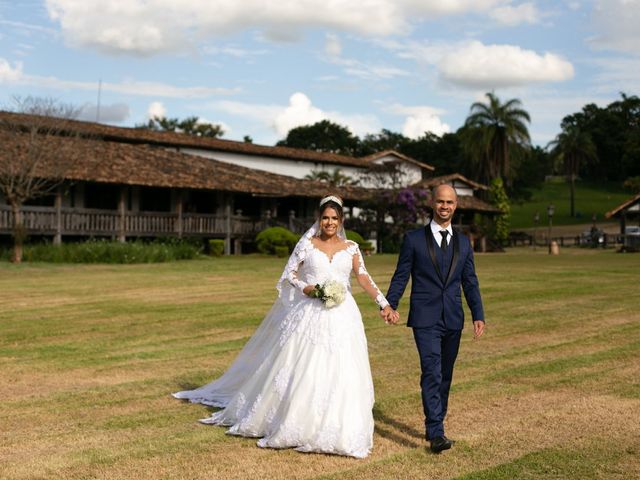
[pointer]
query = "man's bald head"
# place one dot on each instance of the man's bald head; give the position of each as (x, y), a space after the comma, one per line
(446, 187)
(444, 201)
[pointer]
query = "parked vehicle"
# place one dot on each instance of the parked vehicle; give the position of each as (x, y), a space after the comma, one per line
(594, 237)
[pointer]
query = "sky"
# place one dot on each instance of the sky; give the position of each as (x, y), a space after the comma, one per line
(262, 67)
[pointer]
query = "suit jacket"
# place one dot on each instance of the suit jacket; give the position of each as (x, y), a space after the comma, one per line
(436, 295)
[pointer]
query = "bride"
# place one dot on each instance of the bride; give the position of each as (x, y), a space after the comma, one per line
(303, 380)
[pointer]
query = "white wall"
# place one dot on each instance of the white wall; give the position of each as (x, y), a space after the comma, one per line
(463, 189)
(280, 166)
(300, 169)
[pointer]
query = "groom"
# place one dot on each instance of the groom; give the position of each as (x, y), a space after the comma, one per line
(439, 261)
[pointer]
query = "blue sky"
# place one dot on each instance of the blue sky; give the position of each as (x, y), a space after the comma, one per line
(260, 68)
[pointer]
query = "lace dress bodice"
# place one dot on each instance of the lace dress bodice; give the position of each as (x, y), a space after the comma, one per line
(311, 266)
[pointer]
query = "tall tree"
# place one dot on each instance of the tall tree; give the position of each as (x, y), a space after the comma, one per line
(37, 152)
(495, 132)
(323, 136)
(385, 140)
(190, 125)
(572, 147)
(615, 130)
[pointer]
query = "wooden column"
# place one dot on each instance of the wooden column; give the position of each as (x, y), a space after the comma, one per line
(57, 239)
(227, 225)
(292, 218)
(179, 208)
(122, 212)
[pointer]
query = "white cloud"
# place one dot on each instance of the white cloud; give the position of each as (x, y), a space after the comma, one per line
(547, 108)
(415, 126)
(15, 75)
(263, 114)
(436, 8)
(26, 28)
(158, 89)
(300, 111)
(226, 129)
(616, 23)
(115, 113)
(617, 74)
(372, 72)
(357, 68)
(233, 51)
(420, 119)
(9, 74)
(156, 110)
(491, 66)
(148, 27)
(515, 15)
(332, 46)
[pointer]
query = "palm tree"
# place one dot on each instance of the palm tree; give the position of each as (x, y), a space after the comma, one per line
(573, 146)
(494, 131)
(335, 178)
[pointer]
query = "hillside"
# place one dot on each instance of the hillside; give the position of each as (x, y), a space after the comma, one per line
(590, 199)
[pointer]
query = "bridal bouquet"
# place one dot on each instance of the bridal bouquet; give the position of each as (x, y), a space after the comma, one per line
(331, 293)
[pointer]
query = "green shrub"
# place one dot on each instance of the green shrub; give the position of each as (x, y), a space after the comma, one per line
(354, 236)
(216, 247)
(365, 245)
(281, 251)
(272, 237)
(103, 251)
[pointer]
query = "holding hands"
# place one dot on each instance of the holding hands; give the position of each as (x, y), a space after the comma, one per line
(389, 315)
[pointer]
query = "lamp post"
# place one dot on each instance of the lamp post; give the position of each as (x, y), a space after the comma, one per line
(536, 221)
(550, 212)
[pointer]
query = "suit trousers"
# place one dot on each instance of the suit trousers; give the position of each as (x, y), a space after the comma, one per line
(438, 349)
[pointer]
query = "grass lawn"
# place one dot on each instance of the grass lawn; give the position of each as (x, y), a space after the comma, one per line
(89, 355)
(590, 199)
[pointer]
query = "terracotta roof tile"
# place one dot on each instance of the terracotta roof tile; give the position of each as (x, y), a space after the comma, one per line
(180, 140)
(151, 165)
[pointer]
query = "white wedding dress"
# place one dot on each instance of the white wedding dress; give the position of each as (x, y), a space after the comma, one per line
(303, 380)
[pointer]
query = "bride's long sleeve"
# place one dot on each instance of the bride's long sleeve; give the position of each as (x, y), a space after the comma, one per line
(293, 265)
(292, 278)
(365, 280)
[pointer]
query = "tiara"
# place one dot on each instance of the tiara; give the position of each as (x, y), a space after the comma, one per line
(330, 198)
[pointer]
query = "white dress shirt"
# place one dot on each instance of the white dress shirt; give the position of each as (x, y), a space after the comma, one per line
(435, 229)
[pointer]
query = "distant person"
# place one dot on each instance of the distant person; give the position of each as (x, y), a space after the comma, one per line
(303, 380)
(439, 261)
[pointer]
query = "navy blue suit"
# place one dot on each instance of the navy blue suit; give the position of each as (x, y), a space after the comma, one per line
(435, 312)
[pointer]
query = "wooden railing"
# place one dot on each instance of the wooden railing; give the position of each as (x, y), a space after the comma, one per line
(93, 222)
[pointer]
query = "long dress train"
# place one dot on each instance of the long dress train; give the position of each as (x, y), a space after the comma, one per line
(303, 380)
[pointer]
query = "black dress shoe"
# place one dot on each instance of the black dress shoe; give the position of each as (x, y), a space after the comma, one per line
(439, 444)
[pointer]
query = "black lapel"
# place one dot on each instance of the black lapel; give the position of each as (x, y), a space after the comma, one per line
(456, 254)
(432, 251)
